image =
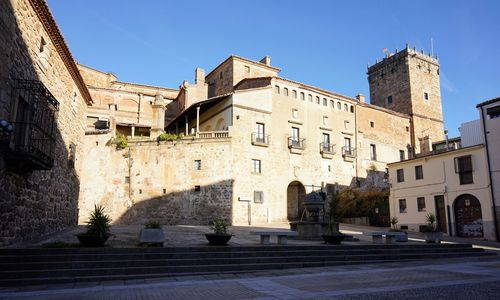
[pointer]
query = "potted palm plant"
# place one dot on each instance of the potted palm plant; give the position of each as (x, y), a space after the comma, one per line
(432, 232)
(98, 228)
(152, 234)
(220, 236)
(394, 228)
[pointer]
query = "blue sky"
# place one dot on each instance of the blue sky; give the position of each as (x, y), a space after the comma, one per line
(327, 44)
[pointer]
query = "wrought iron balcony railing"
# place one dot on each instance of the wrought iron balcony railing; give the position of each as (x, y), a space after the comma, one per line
(348, 151)
(296, 143)
(326, 148)
(32, 142)
(260, 139)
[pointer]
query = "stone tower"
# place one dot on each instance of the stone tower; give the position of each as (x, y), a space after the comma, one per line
(408, 82)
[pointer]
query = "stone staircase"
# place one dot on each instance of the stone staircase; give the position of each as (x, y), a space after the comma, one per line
(22, 267)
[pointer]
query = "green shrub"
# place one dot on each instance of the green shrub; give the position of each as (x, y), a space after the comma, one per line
(219, 226)
(431, 222)
(353, 202)
(99, 223)
(121, 142)
(167, 137)
(152, 224)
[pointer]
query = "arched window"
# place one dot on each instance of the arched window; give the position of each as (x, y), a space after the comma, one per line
(317, 99)
(277, 89)
(332, 104)
(346, 107)
(325, 102)
(285, 91)
(352, 108)
(339, 106)
(302, 96)
(294, 94)
(310, 97)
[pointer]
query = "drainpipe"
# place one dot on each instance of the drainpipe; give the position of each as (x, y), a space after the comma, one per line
(356, 141)
(489, 176)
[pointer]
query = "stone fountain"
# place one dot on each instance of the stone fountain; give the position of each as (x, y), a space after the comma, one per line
(312, 222)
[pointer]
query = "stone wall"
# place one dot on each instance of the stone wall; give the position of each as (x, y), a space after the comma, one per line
(151, 180)
(36, 202)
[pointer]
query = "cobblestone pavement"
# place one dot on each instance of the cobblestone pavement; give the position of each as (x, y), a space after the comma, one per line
(477, 278)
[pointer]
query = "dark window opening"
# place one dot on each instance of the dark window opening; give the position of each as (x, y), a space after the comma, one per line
(400, 175)
(463, 167)
(421, 204)
(419, 172)
(197, 188)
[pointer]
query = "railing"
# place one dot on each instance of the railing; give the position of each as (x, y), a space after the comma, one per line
(260, 139)
(348, 151)
(212, 134)
(326, 148)
(296, 143)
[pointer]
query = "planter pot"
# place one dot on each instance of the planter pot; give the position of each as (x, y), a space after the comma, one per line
(218, 239)
(333, 239)
(89, 240)
(433, 237)
(151, 236)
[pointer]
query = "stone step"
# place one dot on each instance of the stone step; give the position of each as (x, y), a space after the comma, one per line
(180, 266)
(75, 261)
(230, 248)
(199, 270)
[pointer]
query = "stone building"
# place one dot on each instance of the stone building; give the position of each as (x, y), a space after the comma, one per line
(263, 140)
(44, 98)
(133, 110)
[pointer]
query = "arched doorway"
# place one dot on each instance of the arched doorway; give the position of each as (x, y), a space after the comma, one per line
(220, 125)
(295, 196)
(468, 216)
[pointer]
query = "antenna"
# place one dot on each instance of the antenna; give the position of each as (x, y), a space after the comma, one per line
(432, 47)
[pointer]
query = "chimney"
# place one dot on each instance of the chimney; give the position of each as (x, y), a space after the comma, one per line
(361, 98)
(266, 60)
(199, 76)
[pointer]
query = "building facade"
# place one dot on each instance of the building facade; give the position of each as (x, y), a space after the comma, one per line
(43, 99)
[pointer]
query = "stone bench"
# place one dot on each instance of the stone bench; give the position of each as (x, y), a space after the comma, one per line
(265, 236)
(389, 236)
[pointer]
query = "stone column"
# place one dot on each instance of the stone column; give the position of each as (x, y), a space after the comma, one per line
(158, 122)
(197, 120)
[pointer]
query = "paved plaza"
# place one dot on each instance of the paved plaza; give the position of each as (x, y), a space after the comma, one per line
(477, 278)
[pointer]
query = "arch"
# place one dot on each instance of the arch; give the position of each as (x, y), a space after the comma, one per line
(220, 125)
(468, 216)
(208, 128)
(295, 196)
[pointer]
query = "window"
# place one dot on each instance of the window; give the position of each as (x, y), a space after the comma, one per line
(329, 168)
(332, 104)
(339, 106)
(426, 96)
(372, 124)
(463, 166)
(347, 143)
(326, 141)
(294, 94)
(310, 97)
(285, 91)
(295, 134)
(346, 124)
(247, 69)
(421, 204)
(277, 89)
(407, 129)
(260, 132)
(346, 107)
(493, 112)
(401, 155)
(295, 113)
(302, 96)
(419, 172)
(258, 197)
(256, 166)
(317, 99)
(220, 75)
(197, 188)
(43, 43)
(400, 175)
(402, 206)
(325, 102)
(197, 164)
(325, 120)
(389, 100)
(352, 108)
(373, 152)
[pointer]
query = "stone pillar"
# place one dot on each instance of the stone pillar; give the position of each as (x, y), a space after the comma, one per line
(158, 122)
(197, 119)
(133, 131)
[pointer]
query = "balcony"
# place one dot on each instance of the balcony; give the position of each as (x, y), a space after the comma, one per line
(260, 140)
(296, 145)
(32, 142)
(212, 134)
(327, 150)
(348, 153)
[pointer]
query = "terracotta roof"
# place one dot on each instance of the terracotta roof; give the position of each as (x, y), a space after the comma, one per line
(43, 12)
(435, 153)
(488, 102)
